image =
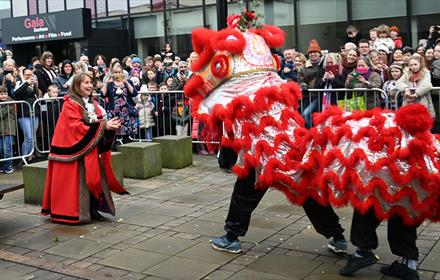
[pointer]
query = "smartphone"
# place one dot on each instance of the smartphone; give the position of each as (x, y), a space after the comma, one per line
(332, 69)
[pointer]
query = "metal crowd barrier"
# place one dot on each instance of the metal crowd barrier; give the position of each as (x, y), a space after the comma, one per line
(12, 138)
(435, 95)
(171, 116)
(312, 100)
(47, 111)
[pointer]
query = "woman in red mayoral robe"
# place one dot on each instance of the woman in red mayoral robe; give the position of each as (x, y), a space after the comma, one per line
(80, 176)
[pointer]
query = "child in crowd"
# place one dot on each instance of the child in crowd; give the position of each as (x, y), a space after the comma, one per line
(145, 106)
(383, 33)
(50, 111)
(390, 86)
(135, 77)
(181, 116)
(8, 131)
(52, 91)
(395, 35)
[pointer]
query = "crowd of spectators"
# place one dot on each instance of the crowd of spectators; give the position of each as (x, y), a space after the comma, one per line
(381, 60)
(135, 89)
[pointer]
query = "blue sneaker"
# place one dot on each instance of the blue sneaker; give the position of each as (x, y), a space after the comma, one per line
(338, 246)
(222, 244)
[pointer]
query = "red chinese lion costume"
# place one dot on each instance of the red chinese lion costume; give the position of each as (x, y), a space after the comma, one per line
(382, 159)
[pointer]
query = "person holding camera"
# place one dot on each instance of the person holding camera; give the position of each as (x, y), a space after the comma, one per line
(100, 66)
(119, 93)
(27, 90)
(434, 36)
(365, 77)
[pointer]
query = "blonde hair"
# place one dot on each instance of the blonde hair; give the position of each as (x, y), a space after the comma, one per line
(421, 60)
(301, 56)
(383, 29)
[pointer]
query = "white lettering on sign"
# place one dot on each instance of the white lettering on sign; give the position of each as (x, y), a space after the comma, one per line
(51, 35)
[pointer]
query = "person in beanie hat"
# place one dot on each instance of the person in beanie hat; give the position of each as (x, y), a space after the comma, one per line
(395, 35)
(313, 47)
(306, 79)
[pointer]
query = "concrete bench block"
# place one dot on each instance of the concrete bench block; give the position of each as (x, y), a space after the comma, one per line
(141, 160)
(34, 179)
(118, 166)
(176, 151)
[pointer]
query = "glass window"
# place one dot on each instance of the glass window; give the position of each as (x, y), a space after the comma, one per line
(149, 26)
(101, 8)
(33, 7)
(90, 4)
(189, 3)
(369, 9)
(117, 7)
(157, 5)
(20, 8)
(74, 4)
(426, 14)
(425, 7)
(56, 5)
(139, 6)
(42, 6)
(323, 20)
(5, 10)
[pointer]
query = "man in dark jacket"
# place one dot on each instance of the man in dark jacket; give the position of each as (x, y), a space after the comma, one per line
(306, 79)
(7, 78)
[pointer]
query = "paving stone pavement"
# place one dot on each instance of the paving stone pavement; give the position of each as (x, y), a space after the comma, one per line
(162, 231)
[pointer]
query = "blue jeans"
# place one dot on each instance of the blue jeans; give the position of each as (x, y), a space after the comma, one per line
(25, 125)
(308, 111)
(147, 133)
(6, 142)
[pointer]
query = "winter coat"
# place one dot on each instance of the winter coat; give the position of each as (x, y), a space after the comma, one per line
(292, 75)
(307, 75)
(422, 89)
(59, 82)
(398, 42)
(8, 119)
(146, 112)
(388, 42)
(435, 73)
(44, 81)
(24, 92)
(373, 98)
(181, 113)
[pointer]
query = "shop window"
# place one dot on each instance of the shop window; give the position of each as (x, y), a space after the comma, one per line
(33, 7)
(5, 10)
(189, 3)
(90, 4)
(55, 5)
(139, 6)
(42, 6)
(74, 4)
(378, 9)
(101, 8)
(117, 7)
(20, 8)
(323, 20)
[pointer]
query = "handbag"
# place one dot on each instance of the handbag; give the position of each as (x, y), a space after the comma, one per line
(352, 104)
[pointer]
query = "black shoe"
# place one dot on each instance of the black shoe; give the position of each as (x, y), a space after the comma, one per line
(356, 263)
(399, 270)
(94, 214)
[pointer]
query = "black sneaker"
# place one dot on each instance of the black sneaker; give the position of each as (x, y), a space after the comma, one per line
(356, 263)
(399, 270)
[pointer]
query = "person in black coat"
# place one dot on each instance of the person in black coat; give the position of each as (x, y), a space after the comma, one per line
(44, 72)
(27, 90)
(330, 77)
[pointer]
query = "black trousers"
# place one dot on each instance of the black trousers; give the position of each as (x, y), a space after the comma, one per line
(227, 158)
(245, 199)
(401, 238)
